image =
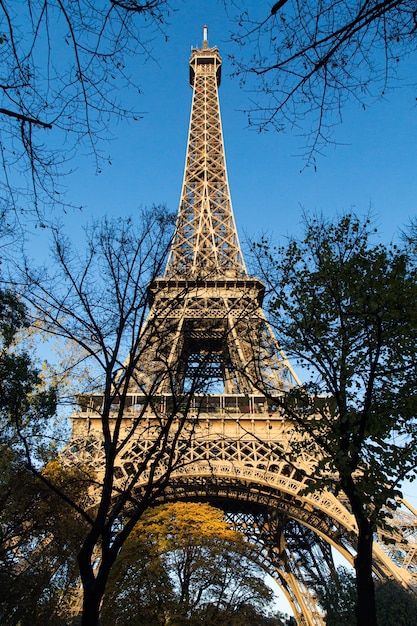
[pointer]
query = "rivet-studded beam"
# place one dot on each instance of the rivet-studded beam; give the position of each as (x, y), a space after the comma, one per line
(206, 317)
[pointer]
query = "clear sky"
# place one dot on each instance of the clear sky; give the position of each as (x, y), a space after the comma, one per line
(375, 167)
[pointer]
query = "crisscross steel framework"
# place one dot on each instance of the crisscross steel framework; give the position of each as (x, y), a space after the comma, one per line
(206, 325)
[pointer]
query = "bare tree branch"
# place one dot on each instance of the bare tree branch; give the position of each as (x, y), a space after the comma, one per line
(305, 60)
(64, 67)
(25, 118)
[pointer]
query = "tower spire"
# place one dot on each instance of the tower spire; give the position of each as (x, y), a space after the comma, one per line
(205, 37)
(206, 243)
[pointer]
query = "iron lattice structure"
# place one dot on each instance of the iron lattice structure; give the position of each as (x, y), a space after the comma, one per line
(206, 244)
(209, 356)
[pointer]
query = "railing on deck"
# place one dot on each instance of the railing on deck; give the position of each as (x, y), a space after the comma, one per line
(233, 404)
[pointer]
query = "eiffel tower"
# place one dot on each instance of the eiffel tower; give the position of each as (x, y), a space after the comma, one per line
(206, 339)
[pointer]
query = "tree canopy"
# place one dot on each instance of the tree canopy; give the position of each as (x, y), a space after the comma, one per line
(95, 301)
(27, 401)
(182, 563)
(38, 534)
(395, 606)
(344, 307)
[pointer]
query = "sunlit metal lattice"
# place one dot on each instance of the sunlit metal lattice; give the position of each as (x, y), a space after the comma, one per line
(206, 325)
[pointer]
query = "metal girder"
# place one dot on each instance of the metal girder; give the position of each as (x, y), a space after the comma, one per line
(206, 324)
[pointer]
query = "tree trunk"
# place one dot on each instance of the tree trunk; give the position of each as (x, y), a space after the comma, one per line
(93, 585)
(365, 608)
(91, 606)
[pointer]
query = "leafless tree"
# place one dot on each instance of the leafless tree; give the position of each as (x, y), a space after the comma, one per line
(96, 301)
(63, 79)
(304, 60)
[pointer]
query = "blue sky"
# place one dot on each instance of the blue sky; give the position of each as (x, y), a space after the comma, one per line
(375, 165)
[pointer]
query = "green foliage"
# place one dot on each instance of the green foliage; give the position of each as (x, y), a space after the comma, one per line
(395, 606)
(183, 563)
(26, 403)
(338, 599)
(345, 309)
(38, 544)
(242, 616)
(39, 535)
(12, 317)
